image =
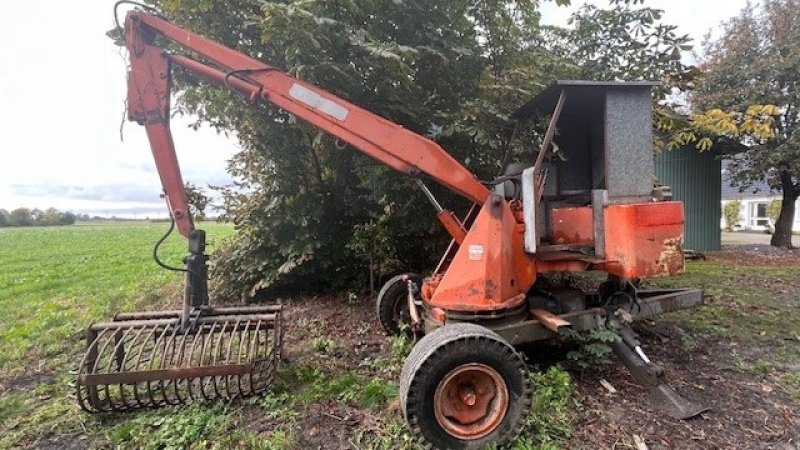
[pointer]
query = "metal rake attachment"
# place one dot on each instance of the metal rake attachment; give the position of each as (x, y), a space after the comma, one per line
(151, 359)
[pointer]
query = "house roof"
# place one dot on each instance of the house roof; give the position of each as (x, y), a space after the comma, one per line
(756, 190)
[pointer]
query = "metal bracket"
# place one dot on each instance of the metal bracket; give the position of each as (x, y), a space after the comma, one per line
(529, 209)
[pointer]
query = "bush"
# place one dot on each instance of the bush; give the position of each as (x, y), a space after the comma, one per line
(731, 214)
(774, 209)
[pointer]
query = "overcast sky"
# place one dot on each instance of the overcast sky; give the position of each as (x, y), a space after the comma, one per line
(62, 87)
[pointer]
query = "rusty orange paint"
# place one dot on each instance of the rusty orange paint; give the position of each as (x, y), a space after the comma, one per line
(562, 266)
(644, 239)
(471, 401)
(452, 225)
(489, 272)
(573, 226)
(148, 104)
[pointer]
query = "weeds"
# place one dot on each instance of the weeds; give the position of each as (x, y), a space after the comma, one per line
(402, 343)
(759, 367)
(594, 349)
(548, 423)
(386, 434)
(193, 426)
(349, 388)
(324, 345)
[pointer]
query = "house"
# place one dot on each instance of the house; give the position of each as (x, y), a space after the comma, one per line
(754, 202)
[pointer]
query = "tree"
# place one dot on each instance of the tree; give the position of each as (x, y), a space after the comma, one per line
(3, 218)
(198, 201)
(449, 69)
(51, 216)
(66, 218)
(757, 61)
(20, 217)
(453, 70)
(625, 42)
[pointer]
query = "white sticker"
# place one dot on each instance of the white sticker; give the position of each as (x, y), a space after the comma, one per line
(476, 252)
(310, 98)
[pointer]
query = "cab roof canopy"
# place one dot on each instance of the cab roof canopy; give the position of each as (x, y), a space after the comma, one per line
(603, 134)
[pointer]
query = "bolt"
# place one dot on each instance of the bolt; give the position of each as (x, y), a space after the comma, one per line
(467, 395)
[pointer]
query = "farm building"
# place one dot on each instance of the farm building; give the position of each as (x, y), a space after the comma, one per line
(695, 180)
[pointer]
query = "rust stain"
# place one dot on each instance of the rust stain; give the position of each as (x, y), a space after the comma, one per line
(490, 288)
(670, 260)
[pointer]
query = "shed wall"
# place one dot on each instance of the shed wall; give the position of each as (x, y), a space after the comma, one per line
(695, 178)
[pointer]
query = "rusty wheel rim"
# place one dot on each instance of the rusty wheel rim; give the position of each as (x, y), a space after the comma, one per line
(471, 401)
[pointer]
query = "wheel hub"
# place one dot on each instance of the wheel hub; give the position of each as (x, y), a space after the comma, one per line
(471, 401)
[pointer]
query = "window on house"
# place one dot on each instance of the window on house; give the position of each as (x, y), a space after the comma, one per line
(758, 214)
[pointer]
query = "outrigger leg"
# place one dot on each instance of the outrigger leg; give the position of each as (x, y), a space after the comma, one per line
(651, 376)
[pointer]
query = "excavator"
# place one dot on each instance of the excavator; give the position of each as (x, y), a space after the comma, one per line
(465, 384)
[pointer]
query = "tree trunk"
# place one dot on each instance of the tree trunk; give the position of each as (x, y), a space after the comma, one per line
(783, 226)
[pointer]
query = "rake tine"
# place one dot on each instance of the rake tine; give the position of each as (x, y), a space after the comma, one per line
(150, 362)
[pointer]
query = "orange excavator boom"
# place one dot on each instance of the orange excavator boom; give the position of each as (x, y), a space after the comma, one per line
(148, 104)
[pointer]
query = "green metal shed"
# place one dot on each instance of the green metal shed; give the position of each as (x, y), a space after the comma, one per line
(695, 178)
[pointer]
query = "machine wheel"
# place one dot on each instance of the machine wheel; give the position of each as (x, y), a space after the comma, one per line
(392, 303)
(464, 387)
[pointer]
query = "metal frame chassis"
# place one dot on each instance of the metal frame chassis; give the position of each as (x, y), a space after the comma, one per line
(651, 303)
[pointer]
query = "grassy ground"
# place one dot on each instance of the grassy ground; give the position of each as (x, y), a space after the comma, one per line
(54, 281)
(338, 387)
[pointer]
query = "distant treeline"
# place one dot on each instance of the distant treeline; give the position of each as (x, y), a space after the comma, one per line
(24, 217)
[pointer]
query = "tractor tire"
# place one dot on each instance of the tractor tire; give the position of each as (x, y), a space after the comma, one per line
(392, 304)
(463, 387)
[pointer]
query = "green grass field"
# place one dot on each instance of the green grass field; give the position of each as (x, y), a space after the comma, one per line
(56, 281)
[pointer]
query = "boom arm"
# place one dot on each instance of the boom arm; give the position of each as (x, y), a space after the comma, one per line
(148, 104)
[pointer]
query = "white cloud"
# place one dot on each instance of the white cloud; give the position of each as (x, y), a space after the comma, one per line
(692, 17)
(62, 85)
(62, 90)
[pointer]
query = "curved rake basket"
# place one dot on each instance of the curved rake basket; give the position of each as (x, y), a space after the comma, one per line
(146, 360)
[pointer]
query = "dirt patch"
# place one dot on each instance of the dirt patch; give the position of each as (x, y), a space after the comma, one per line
(25, 381)
(747, 411)
(757, 253)
(350, 326)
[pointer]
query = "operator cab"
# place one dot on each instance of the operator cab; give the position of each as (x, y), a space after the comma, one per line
(603, 174)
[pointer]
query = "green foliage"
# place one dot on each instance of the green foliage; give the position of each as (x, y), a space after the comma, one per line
(192, 426)
(548, 425)
(759, 367)
(198, 201)
(376, 393)
(731, 214)
(310, 214)
(593, 347)
(324, 345)
(624, 43)
(388, 433)
(277, 406)
(792, 379)
(402, 343)
(756, 61)
(24, 217)
(774, 209)
(348, 388)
